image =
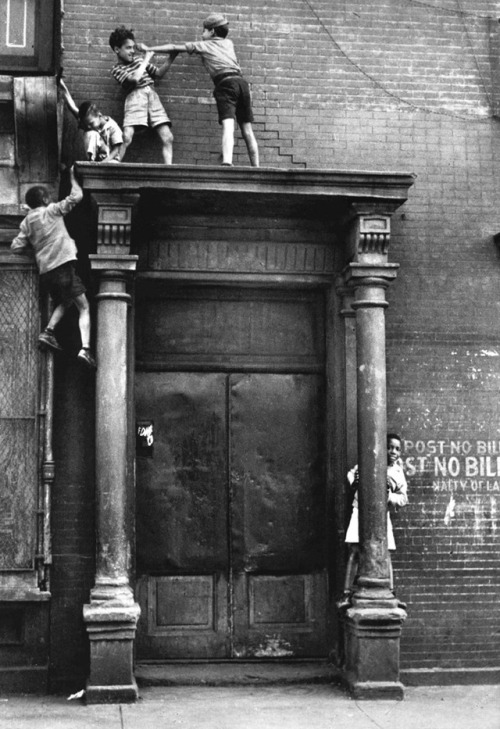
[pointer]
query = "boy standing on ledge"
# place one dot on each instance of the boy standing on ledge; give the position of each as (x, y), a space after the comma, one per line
(231, 92)
(143, 107)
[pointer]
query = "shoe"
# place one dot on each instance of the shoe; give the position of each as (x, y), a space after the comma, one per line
(345, 600)
(86, 358)
(227, 164)
(47, 339)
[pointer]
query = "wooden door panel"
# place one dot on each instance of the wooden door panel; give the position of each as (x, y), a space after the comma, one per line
(182, 547)
(280, 616)
(183, 616)
(277, 516)
(277, 484)
(182, 490)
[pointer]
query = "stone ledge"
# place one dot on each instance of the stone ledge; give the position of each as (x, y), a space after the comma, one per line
(359, 185)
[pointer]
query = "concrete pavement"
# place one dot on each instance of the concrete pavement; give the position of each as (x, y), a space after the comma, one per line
(304, 706)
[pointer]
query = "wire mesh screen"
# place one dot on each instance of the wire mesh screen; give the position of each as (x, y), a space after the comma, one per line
(19, 322)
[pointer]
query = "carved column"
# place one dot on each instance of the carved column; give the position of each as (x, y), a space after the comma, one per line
(373, 621)
(112, 614)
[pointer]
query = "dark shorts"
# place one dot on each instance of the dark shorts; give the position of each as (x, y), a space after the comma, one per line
(233, 99)
(63, 284)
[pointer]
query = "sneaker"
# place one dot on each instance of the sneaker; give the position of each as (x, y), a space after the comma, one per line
(47, 339)
(86, 358)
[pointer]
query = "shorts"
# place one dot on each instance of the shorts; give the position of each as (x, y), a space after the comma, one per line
(63, 284)
(95, 146)
(233, 99)
(144, 108)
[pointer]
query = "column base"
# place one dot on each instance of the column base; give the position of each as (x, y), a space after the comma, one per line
(372, 690)
(371, 643)
(120, 694)
(111, 629)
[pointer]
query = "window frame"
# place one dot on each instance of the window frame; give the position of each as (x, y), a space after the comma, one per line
(41, 61)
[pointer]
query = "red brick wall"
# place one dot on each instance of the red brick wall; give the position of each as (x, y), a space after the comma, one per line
(387, 85)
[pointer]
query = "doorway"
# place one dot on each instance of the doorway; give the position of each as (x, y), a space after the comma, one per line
(230, 515)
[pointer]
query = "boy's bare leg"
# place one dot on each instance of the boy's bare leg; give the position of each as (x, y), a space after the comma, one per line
(227, 141)
(91, 142)
(167, 141)
(84, 354)
(47, 338)
(56, 317)
(82, 305)
(251, 142)
(352, 567)
(128, 135)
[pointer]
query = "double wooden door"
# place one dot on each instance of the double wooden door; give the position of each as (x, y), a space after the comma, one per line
(230, 519)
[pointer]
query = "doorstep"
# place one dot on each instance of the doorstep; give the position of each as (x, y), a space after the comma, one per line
(233, 672)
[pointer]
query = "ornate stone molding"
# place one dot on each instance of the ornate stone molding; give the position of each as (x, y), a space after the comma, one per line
(369, 232)
(114, 221)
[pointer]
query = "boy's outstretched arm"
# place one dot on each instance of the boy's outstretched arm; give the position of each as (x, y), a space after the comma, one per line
(166, 48)
(68, 98)
(162, 70)
(75, 196)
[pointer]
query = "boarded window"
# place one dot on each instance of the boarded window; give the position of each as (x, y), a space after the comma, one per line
(18, 418)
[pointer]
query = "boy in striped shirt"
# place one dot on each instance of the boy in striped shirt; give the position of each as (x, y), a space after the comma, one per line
(142, 105)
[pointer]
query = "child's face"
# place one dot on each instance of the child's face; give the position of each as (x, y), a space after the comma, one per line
(208, 33)
(126, 52)
(393, 450)
(94, 122)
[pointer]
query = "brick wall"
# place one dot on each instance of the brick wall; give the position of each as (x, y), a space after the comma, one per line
(387, 85)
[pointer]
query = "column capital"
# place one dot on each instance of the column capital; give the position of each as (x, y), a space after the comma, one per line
(114, 262)
(369, 231)
(114, 220)
(369, 282)
(364, 273)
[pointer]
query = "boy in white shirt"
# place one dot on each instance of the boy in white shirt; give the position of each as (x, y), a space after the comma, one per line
(43, 231)
(397, 496)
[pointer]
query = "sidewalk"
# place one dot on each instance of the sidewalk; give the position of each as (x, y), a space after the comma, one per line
(309, 706)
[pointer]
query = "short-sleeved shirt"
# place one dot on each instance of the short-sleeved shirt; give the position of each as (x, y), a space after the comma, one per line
(99, 143)
(44, 230)
(110, 133)
(122, 72)
(217, 55)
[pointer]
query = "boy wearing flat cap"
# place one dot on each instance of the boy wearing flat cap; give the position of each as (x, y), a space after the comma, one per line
(231, 91)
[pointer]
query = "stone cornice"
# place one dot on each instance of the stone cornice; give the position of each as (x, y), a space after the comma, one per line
(358, 185)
